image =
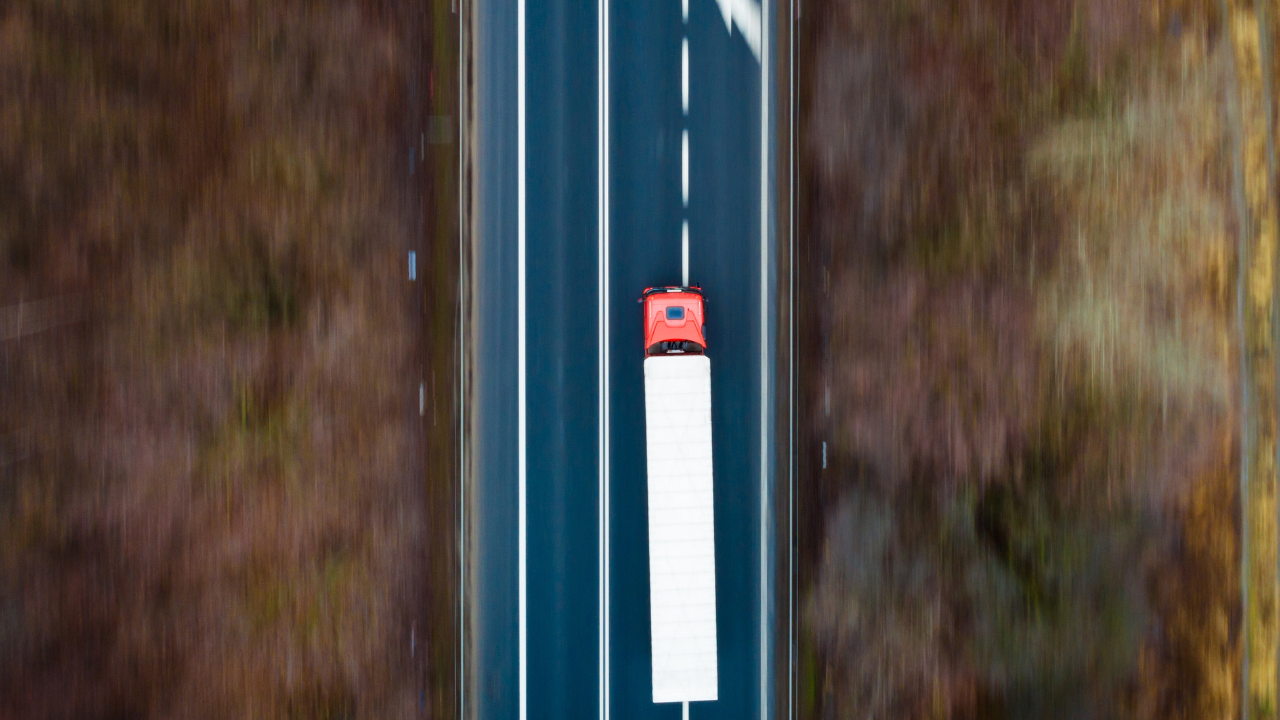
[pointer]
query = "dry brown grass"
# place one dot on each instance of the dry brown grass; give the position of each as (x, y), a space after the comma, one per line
(209, 503)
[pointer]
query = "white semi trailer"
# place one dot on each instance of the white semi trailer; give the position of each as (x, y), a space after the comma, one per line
(682, 563)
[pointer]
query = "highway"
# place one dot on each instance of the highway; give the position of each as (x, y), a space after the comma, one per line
(617, 145)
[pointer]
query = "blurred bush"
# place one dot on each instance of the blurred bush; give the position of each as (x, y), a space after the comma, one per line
(1029, 510)
(204, 464)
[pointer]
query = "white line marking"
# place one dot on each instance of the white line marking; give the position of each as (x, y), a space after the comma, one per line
(685, 710)
(422, 399)
(684, 253)
(413, 266)
(684, 74)
(791, 367)
(523, 381)
(762, 54)
(746, 14)
(684, 166)
(684, 10)
(602, 329)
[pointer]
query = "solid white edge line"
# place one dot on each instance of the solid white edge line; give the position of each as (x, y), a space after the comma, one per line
(523, 380)
(600, 343)
(608, 455)
(602, 299)
(764, 354)
(791, 363)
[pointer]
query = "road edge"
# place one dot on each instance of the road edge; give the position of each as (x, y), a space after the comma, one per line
(786, 377)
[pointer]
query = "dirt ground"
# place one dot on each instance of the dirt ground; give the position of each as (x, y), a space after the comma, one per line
(217, 495)
(1022, 350)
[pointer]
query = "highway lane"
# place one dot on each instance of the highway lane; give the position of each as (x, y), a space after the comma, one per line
(644, 250)
(724, 257)
(561, 578)
(575, 653)
(561, 360)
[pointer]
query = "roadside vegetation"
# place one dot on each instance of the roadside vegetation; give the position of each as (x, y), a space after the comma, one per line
(212, 494)
(1033, 358)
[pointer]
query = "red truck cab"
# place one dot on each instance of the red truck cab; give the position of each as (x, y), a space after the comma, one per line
(674, 323)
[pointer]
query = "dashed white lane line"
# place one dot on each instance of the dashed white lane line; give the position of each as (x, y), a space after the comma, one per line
(684, 166)
(684, 75)
(684, 253)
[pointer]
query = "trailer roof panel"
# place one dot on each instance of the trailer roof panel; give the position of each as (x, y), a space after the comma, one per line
(682, 568)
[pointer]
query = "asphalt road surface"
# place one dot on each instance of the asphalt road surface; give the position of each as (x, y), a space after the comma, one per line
(594, 122)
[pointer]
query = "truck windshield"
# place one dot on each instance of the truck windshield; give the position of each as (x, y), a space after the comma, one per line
(675, 312)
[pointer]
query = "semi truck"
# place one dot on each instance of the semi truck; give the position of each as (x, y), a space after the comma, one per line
(682, 567)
